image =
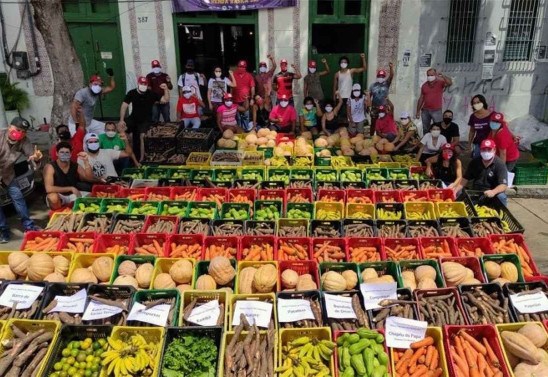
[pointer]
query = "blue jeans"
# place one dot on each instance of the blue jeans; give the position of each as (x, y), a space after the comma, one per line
(160, 109)
(192, 122)
(503, 198)
(428, 117)
(20, 206)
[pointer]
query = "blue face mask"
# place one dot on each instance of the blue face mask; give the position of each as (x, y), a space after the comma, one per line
(494, 125)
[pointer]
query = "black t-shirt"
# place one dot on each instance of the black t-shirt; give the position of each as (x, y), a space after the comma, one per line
(486, 178)
(141, 104)
(450, 132)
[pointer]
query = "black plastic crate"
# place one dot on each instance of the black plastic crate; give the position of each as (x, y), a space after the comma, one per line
(59, 289)
(195, 140)
(421, 223)
(403, 294)
(399, 223)
(126, 216)
(38, 301)
(496, 204)
(350, 222)
(111, 292)
(464, 198)
(463, 222)
(335, 225)
(490, 289)
(426, 184)
(251, 225)
(514, 288)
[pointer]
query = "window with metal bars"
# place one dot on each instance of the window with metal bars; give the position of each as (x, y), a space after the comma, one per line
(520, 33)
(461, 31)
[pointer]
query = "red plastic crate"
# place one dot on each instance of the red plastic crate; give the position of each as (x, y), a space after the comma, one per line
(320, 256)
(330, 195)
(188, 193)
(191, 240)
(218, 195)
(441, 195)
(524, 255)
(31, 236)
(105, 191)
(247, 242)
(418, 293)
(414, 196)
(232, 242)
(272, 194)
(472, 263)
(396, 243)
(132, 193)
(489, 332)
(305, 243)
(427, 242)
(388, 196)
(157, 194)
(153, 219)
(417, 169)
(301, 268)
(71, 237)
(473, 244)
(106, 241)
(304, 192)
(248, 193)
(376, 242)
(283, 137)
(143, 239)
(362, 196)
(537, 278)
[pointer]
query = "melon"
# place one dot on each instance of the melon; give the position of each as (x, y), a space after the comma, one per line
(228, 134)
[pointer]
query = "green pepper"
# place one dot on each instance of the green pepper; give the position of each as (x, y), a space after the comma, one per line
(357, 364)
(358, 347)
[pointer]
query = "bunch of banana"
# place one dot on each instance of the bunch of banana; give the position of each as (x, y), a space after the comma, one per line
(302, 161)
(383, 214)
(306, 356)
(278, 161)
(449, 213)
(130, 357)
(323, 214)
(416, 215)
(340, 162)
(360, 215)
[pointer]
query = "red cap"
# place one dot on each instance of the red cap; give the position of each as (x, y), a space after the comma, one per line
(381, 108)
(283, 61)
(497, 117)
(227, 96)
(155, 64)
(142, 80)
(312, 64)
(95, 78)
(488, 144)
(447, 146)
(242, 64)
(262, 64)
(381, 73)
(283, 97)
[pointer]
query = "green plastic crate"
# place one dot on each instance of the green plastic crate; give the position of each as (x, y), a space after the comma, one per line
(383, 268)
(135, 173)
(226, 209)
(180, 173)
(397, 173)
(108, 204)
(156, 173)
(87, 205)
(173, 207)
(540, 150)
(413, 264)
(137, 208)
(531, 174)
(202, 205)
(257, 174)
(224, 175)
(262, 204)
(300, 173)
(157, 294)
(304, 207)
(138, 259)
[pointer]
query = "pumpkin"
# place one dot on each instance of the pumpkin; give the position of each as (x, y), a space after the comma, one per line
(305, 283)
(369, 273)
(530, 370)
(102, 268)
(127, 267)
(427, 283)
(55, 277)
(307, 135)
(61, 264)
(184, 287)
(509, 271)
(492, 269)
(454, 273)
(163, 281)
(535, 333)
(6, 273)
(245, 280)
(333, 281)
(271, 143)
(83, 275)
(18, 262)
(469, 274)
(262, 141)
(521, 347)
(206, 283)
(265, 278)
(143, 275)
(40, 265)
(425, 271)
(126, 280)
(290, 278)
(221, 270)
(351, 279)
(181, 271)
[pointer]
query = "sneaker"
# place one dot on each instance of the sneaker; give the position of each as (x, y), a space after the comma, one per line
(33, 228)
(5, 236)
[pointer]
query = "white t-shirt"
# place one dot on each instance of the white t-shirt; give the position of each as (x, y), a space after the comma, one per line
(429, 146)
(102, 163)
(357, 109)
(190, 80)
(218, 88)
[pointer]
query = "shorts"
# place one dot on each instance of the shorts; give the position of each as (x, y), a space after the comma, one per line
(355, 128)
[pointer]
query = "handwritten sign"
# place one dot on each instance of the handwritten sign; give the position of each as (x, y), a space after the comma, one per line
(96, 310)
(256, 312)
(376, 292)
(339, 307)
(156, 315)
(294, 310)
(24, 295)
(75, 303)
(402, 332)
(206, 314)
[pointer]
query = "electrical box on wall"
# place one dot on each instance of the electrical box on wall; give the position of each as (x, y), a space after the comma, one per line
(20, 61)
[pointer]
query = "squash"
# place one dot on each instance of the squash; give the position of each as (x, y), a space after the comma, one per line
(6, 273)
(83, 275)
(535, 333)
(492, 269)
(163, 281)
(18, 262)
(206, 283)
(305, 283)
(126, 280)
(520, 346)
(61, 264)
(184, 287)
(500, 281)
(525, 369)
(102, 268)
(454, 273)
(469, 274)
(290, 278)
(265, 278)
(369, 273)
(228, 134)
(221, 270)
(427, 283)
(351, 279)
(245, 280)
(263, 132)
(333, 281)
(425, 271)
(181, 271)
(143, 275)
(127, 267)
(471, 281)
(55, 277)
(40, 265)
(509, 271)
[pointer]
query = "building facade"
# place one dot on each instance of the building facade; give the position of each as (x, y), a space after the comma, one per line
(494, 47)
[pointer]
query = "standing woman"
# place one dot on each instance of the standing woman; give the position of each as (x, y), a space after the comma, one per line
(217, 86)
(357, 107)
(431, 143)
(479, 124)
(507, 149)
(343, 79)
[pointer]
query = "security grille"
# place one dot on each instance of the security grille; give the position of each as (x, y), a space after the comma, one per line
(461, 33)
(521, 31)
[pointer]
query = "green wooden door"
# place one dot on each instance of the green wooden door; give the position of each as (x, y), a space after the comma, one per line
(338, 28)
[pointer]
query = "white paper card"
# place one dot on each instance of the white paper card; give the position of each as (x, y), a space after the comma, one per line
(156, 315)
(376, 292)
(206, 314)
(339, 307)
(293, 310)
(402, 332)
(532, 303)
(22, 294)
(256, 312)
(96, 310)
(71, 304)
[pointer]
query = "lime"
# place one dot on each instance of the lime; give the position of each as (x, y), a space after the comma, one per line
(58, 366)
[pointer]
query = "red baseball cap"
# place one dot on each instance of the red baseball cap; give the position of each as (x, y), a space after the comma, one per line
(95, 78)
(155, 64)
(262, 64)
(142, 80)
(227, 96)
(312, 64)
(497, 117)
(447, 146)
(283, 61)
(488, 144)
(242, 63)
(381, 73)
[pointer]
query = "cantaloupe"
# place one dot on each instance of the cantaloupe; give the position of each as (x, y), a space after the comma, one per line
(320, 143)
(262, 141)
(263, 132)
(228, 134)
(251, 139)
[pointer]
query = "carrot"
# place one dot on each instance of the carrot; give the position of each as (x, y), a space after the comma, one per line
(435, 359)
(405, 357)
(470, 359)
(420, 371)
(493, 359)
(429, 355)
(415, 358)
(461, 365)
(428, 341)
(473, 342)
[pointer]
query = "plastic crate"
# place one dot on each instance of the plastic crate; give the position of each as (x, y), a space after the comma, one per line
(77, 242)
(203, 297)
(173, 208)
(38, 241)
(299, 195)
(158, 294)
(227, 208)
(111, 292)
(361, 196)
(327, 185)
(396, 249)
(132, 193)
(340, 267)
(135, 173)
(300, 211)
(318, 228)
(37, 304)
(225, 174)
(294, 248)
(179, 173)
(87, 205)
(327, 175)
(267, 244)
(428, 184)
(156, 173)
(228, 227)
(423, 228)
(293, 228)
(450, 210)
(336, 209)
(153, 219)
(539, 149)
(264, 297)
(474, 247)
(438, 247)
(500, 258)
(396, 208)
(153, 335)
(472, 263)
(120, 205)
(137, 259)
(374, 252)
(515, 288)
(419, 211)
(184, 193)
(320, 255)
(95, 222)
(272, 184)
(418, 172)
(376, 173)
(262, 204)
(387, 196)
(406, 184)
(531, 174)
(105, 191)
(228, 246)
(114, 244)
(424, 293)
(302, 174)
(331, 196)
(360, 211)
(288, 335)
(209, 207)
(122, 216)
(300, 267)
(144, 208)
(462, 222)
(278, 175)
(272, 194)
(257, 264)
(413, 264)
(86, 260)
(382, 268)
(441, 195)
(496, 226)
(185, 246)
(385, 228)
(242, 195)
(493, 290)
(151, 244)
(76, 219)
(351, 228)
(158, 193)
(414, 196)
(528, 265)
(258, 227)
(189, 225)
(515, 327)
(504, 214)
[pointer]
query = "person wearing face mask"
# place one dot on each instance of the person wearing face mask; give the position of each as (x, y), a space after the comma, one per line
(76, 141)
(188, 108)
(430, 101)
(479, 124)
(244, 90)
(407, 140)
(386, 127)
(101, 160)
(330, 120)
(357, 107)
(217, 86)
(83, 104)
(488, 172)
(507, 149)
(111, 139)
(312, 84)
(138, 122)
(191, 78)
(228, 112)
(260, 111)
(63, 179)
(15, 145)
(155, 79)
(342, 81)
(445, 166)
(378, 94)
(282, 82)
(264, 77)
(283, 117)
(450, 129)
(309, 115)
(431, 143)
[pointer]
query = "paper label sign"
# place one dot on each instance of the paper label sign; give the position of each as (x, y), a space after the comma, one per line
(530, 303)
(294, 310)
(23, 295)
(206, 314)
(402, 332)
(256, 312)
(156, 315)
(96, 310)
(375, 293)
(339, 307)
(71, 304)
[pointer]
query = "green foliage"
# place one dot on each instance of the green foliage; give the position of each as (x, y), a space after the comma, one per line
(190, 356)
(14, 98)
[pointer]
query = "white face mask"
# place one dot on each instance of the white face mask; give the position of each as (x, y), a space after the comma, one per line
(309, 106)
(381, 115)
(380, 80)
(486, 156)
(110, 134)
(142, 88)
(187, 95)
(93, 147)
(312, 70)
(96, 89)
(344, 65)
(356, 93)
(263, 69)
(404, 122)
(435, 133)
(218, 74)
(156, 70)
(284, 103)
(228, 103)
(328, 109)
(430, 78)
(477, 106)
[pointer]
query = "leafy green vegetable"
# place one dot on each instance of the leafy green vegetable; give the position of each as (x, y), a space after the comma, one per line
(190, 356)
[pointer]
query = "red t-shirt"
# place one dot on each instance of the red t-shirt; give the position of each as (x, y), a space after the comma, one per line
(505, 140)
(288, 115)
(188, 108)
(285, 84)
(432, 94)
(155, 80)
(244, 83)
(386, 125)
(77, 143)
(228, 115)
